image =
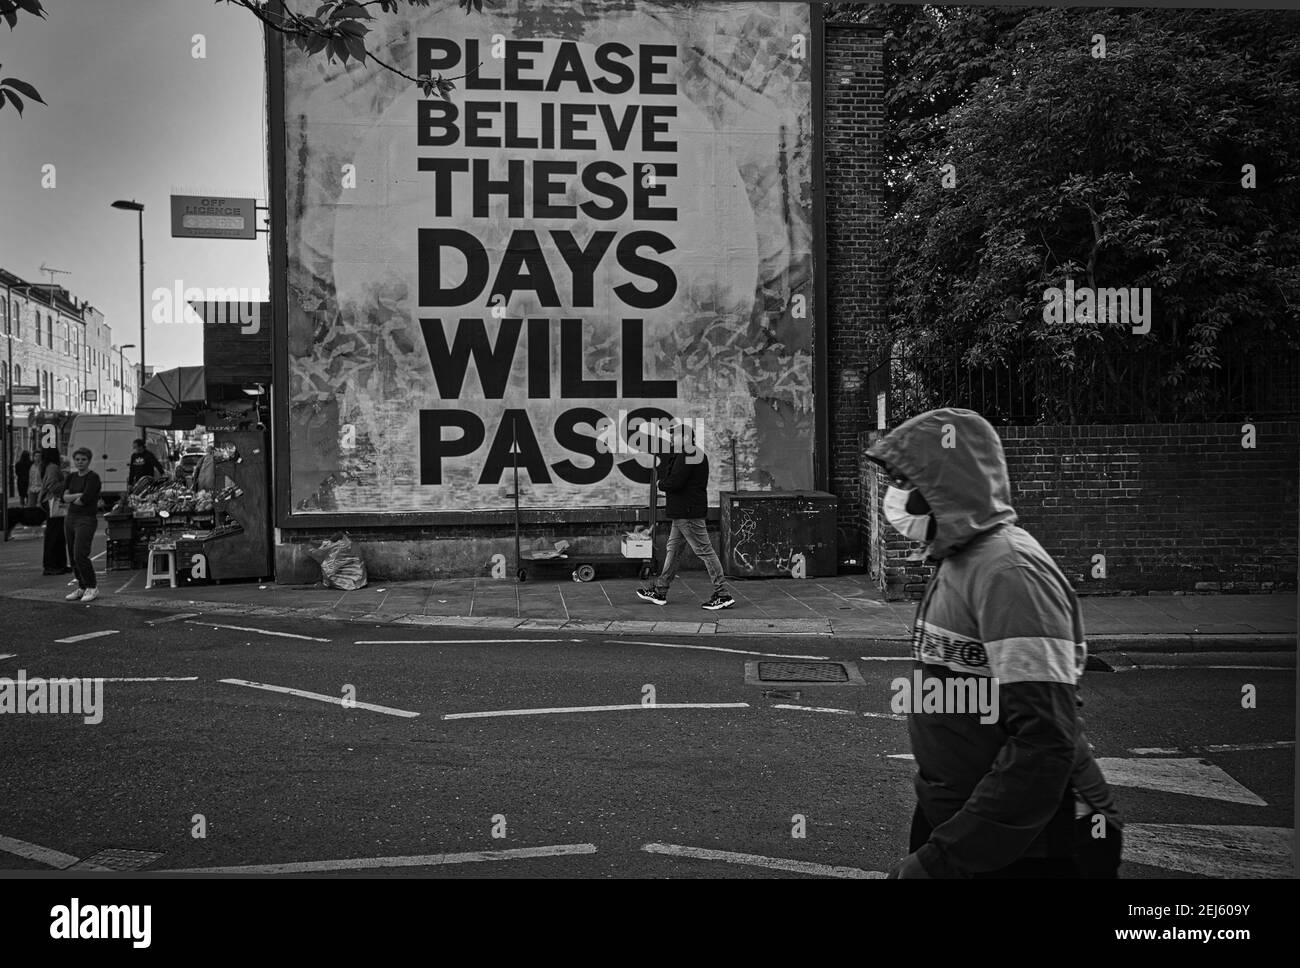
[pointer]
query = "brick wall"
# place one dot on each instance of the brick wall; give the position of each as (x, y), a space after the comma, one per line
(1172, 507)
(855, 281)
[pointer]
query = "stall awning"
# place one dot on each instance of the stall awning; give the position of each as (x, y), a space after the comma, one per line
(172, 399)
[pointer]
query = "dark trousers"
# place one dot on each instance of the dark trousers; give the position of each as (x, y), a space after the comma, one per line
(1072, 865)
(56, 545)
(80, 531)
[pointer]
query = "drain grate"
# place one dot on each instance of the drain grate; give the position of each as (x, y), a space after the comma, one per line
(117, 859)
(802, 672)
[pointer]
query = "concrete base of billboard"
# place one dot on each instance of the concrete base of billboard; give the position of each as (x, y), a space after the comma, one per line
(413, 560)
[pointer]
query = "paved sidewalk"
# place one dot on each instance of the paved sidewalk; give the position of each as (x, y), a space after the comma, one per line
(845, 606)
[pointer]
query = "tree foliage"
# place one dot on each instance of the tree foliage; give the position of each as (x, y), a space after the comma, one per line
(1119, 171)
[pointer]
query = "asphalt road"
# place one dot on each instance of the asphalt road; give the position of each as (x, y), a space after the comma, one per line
(281, 778)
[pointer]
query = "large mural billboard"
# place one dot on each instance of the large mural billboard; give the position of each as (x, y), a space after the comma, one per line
(609, 220)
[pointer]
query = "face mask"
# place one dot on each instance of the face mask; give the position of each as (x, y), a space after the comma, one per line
(913, 526)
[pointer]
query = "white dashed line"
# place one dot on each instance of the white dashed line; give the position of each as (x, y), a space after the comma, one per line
(174, 618)
(336, 700)
(371, 863)
(816, 709)
(756, 860)
(886, 716)
(42, 855)
(712, 648)
(885, 658)
(241, 628)
(10, 655)
(598, 709)
(1281, 744)
(88, 635)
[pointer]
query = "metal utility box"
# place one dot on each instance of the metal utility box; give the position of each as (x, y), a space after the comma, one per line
(769, 534)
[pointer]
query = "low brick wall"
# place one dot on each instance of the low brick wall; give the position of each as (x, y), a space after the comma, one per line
(1169, 507)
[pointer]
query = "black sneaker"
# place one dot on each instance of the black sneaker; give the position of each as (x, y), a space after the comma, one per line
(651, 596)
(719, 601)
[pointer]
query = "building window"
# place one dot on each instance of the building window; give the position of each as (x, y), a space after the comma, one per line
(4, 314)
(38, 327)
(49, 330)
(4, 367)
(18, 374)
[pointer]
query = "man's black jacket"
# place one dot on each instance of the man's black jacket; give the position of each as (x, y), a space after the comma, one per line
(685, 479)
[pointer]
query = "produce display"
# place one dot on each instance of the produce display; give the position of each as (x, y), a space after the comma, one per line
(158, 496)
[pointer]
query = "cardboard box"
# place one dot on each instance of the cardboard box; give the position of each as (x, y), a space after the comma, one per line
(637, 547)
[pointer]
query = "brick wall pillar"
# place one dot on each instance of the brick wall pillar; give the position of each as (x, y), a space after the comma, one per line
(855, 280)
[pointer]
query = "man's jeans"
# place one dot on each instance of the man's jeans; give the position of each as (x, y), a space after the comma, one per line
(693, 532)
(79, 530)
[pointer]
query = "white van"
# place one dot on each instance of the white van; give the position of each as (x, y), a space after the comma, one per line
(109, 438)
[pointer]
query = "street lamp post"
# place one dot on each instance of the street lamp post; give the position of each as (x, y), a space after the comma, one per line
(138, 208)
(121, 372)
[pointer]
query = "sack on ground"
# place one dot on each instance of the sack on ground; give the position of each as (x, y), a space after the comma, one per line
(341, 566)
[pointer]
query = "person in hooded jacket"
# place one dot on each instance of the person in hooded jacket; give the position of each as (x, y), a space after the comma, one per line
(1021, 796)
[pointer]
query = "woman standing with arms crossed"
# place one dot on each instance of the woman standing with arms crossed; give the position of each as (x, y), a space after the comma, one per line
(81, 496)
(51, 490)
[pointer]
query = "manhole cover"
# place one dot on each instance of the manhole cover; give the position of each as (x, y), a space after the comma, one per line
(802, 672)
(117, 859)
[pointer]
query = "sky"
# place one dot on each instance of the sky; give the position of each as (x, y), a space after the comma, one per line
(130, 113)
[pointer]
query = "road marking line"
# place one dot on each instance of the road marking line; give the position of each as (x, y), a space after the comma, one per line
(885, 658)
(425, 860)
(174, 618)
(98, 556)
(42, 855)
(599, 709)
(1227, 748)
(1213, 850)
(124, 585)
(1144, 668)
(336, 700)
(756, 860)
(455, 641)
(1188, 776)
(241, 628)
(900, 756)
(9, 655)
(146, 679)
(88, 635)
(816, 709)
(886, 716)
(713, 648)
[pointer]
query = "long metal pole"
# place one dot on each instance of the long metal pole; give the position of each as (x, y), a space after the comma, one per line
(121, 379)
(140, 213)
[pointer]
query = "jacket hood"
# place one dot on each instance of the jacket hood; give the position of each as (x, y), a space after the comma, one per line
(955, 459)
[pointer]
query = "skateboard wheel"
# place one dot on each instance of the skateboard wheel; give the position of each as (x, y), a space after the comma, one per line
(584, 573)
(522, 575)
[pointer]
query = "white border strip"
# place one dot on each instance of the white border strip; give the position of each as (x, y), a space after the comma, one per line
(756, 860)
(371, 863)
(713, 648)
(336, 700)
(88, 635)
(242, 628)
(456, 641)
(599, 709)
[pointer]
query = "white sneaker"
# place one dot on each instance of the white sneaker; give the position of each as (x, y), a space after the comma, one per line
(91, 595)
(73, 596)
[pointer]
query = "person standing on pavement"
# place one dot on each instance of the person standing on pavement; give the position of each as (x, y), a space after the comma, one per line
(683, 475)
(142, 464)
(81, 497)
(23, 476)
(55, 558)
(1018, 793)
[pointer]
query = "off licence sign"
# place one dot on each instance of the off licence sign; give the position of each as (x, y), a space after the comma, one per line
(26, 393)
(212, 217)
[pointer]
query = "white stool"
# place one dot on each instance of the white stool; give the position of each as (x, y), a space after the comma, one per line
(157, 574)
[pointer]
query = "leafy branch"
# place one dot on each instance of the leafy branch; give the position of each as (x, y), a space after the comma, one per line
(11, 87)
(338, 28)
